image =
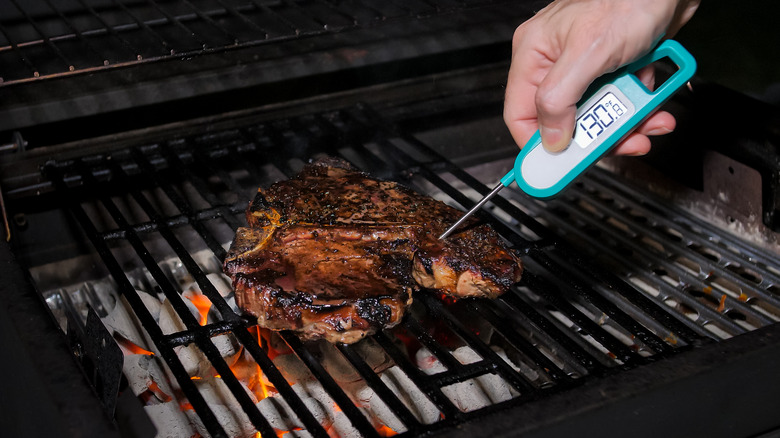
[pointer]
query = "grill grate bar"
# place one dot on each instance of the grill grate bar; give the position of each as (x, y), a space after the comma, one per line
(271, 143)
(608, 307)
(192, 267)
(548, 289)
(145, 26)
(387, 396)
(233, 11)
(277, 17)
(18, 51)
(181, 204)
(146, 319)
(426, 385)
(238, 391)
(178, 23)
(500, 322)
(45, 39)
(143, 253)
(73, 28)
(110, 29)
(194, 334)
(204, 168)
(201, 335)
(669, 266)
(704, 240)
(671, 215)
(276, 378)
(227, 212)
(232, 40)
(727, 301)
(203, 165)
(344, 14)
(358, 420)
(490, 357)
(471, 371)
(538, 318)
(422, 335)
(293, 4)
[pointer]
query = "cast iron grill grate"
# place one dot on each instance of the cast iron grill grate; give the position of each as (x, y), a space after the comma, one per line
(570, 319)
(50, 39)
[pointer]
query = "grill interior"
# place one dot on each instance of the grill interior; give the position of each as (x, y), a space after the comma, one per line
(145, 127)
(614, 280)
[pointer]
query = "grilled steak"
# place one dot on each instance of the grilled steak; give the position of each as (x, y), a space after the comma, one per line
(337, 283)
(335, 254)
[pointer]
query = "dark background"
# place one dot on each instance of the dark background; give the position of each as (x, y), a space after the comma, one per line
(737, 44)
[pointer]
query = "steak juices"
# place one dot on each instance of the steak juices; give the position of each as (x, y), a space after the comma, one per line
(335, 254)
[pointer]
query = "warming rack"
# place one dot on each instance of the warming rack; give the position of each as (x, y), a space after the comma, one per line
(45, 40)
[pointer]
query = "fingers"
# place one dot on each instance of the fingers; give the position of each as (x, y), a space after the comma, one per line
(544, 86)
(646, 76)
(561, 50)
(519, 105)
(564, 85)
(638, 143)
(683, 13)
(528, 68)
(634, 145)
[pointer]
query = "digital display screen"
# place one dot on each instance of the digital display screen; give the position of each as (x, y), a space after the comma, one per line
(594, 122)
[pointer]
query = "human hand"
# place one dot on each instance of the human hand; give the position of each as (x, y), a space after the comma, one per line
(563, 48)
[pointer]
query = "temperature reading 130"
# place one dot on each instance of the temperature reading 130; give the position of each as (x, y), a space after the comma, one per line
(598, 119)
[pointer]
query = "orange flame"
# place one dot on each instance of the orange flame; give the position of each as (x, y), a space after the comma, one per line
(722, 303)
(263, 336)
(247, 370)
(130, 345)
(203, 304)
(159, 393)
(386, 431)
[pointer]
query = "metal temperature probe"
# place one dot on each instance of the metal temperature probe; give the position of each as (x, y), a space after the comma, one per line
(603, 119)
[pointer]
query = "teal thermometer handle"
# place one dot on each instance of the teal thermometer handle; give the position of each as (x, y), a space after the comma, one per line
(604, 118)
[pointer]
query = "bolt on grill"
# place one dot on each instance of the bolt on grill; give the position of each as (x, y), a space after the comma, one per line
(573, 317)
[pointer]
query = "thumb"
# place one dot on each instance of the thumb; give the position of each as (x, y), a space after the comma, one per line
(556, 122)
(563, 86)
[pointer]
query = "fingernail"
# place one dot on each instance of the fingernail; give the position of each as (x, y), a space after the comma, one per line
(552, 139)
(659, 131)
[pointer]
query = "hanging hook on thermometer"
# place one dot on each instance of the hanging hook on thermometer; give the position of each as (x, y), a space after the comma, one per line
(603, 119)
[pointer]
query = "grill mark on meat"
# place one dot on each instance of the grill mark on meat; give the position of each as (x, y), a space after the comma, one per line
(335, 254)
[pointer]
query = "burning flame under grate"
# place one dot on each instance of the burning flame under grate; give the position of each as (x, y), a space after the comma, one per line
(159, 217)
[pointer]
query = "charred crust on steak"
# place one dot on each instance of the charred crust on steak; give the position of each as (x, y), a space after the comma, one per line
(333, 253)
(373, 310)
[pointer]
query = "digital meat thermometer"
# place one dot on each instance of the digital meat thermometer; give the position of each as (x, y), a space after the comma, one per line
(603, 119)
